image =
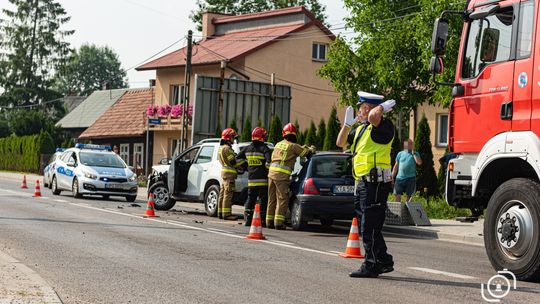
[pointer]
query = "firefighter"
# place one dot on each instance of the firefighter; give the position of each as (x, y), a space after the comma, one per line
(371, 143)
(258, 157)
(229, 166)
(283, 159)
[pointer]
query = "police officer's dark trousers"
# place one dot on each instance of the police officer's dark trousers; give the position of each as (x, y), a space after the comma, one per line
(370, 206)
(256, 194)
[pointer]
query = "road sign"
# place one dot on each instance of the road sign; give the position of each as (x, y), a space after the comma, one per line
(154, 121)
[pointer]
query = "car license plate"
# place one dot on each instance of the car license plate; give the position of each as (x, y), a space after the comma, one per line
(344, 189)
(114, 186)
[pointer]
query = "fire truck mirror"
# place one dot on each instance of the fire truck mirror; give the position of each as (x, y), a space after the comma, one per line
(436, 65)
(490, 43)
(440, 35)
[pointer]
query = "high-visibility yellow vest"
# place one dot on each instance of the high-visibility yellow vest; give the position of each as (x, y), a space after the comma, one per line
(369, 154)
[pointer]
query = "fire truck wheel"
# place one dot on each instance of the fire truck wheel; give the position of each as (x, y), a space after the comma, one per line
(512, 228)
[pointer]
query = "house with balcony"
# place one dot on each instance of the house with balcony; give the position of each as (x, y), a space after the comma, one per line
(289, 43)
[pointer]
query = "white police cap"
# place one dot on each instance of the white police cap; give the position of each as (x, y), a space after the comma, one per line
(369, 98)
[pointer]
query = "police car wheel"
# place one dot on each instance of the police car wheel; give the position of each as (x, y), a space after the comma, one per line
(54, 186)
(297, 219)
(75, 189)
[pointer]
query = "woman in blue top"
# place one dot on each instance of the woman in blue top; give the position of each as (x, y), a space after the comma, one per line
(404, 171)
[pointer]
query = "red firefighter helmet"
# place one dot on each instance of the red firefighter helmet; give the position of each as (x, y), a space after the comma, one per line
(259, 134)
(229, 134)
(289, 129)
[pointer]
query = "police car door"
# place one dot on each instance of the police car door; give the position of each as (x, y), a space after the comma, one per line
(64, 172)
(198, 170)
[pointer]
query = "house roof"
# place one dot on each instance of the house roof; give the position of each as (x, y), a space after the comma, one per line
(84, 115)
(235, 45)
(126, 118)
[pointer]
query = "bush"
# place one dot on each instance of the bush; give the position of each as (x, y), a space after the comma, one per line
(437, 208)
(396, 146)
(274, 134)
(246, 130)
(23, 153)
(321, 134)
(332, 130)
(426, 177)
(311, 138)
(4, 129)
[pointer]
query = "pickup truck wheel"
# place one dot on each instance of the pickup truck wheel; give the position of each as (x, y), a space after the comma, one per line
(162, 199)
(512, 228)
(211, 198)
(297, 219)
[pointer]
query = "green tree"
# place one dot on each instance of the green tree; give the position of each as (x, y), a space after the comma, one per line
(311, 138)
(259, 123)
(426, 177)
(46, 143)
(252, 6)
(321, 134)
(441, 175)
(88, 69)
(392, 51)
(233, 126)
(4, 129)
(396, 146)
(274, 134)
(24, 122)
(332, 130)
(32, 48)
(246, 130)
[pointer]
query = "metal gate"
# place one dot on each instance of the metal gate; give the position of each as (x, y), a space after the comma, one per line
(241, 99)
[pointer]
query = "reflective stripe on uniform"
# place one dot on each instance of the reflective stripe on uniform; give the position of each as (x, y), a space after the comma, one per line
(280, 168)
(226, 210)
(279, 217)
(255, 154)
(269, 217)
(256, 184)
(228, 169)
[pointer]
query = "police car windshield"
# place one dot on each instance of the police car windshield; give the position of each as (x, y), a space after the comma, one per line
(101, 160)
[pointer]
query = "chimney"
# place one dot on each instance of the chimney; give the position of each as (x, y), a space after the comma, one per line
(208, 27)
(152, 82)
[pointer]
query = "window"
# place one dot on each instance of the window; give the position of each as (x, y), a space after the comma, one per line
(489, 40)
(177, 94)
(206, 155)
(138, 155)
(525, 31)
(124, 153)
(190, 154)
(442, 130)
(318, 51)
(331, 166)
(93, 159)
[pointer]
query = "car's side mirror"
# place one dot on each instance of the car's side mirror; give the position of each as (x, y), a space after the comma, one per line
(440, 36)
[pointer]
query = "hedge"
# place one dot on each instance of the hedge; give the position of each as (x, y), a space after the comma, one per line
(23, 153)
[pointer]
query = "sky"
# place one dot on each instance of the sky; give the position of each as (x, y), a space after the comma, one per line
(138, 29)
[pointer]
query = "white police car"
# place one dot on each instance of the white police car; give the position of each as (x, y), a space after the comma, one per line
(48, 171)
(93, 170)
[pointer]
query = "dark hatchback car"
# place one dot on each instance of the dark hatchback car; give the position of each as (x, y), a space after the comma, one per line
(323, 189)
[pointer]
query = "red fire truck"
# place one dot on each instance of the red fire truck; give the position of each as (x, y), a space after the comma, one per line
(494, 126)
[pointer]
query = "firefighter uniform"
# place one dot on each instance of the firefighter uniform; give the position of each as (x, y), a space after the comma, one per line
(281, 167)
(258, 157)
(371, 147)
(229, 166)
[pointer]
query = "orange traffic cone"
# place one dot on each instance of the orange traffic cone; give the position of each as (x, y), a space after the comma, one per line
(38, 190)
(353, 243)
(255, 231)
(23, 186)
(150, 207)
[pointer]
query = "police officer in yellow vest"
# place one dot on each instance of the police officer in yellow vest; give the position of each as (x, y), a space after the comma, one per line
(279, 175)
(229, 167)
(371, 143)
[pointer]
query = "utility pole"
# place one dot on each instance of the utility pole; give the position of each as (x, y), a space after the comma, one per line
(185, 101)
(221, 101)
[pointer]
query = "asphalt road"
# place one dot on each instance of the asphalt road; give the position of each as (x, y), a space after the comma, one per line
(95, 251)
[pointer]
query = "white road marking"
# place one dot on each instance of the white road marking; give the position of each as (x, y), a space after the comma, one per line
(60, 201)
(283, 242)
(336, 252)
(214, 229)
(448, 274)
(180, 224)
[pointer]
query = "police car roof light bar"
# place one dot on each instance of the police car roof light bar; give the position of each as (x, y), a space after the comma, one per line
(93, 147)
(60, 149)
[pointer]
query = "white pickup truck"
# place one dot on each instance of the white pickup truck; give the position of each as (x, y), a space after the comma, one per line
(194, 176)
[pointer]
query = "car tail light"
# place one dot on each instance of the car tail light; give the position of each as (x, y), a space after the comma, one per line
(310, 188)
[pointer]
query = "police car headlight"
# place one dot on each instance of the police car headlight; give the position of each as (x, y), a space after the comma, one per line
(133, 178)
(89, 175)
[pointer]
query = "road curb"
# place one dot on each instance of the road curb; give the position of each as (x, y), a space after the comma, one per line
(431, 234)
(48, 295)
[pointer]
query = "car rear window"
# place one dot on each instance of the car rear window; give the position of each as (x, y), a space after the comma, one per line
(331, 166)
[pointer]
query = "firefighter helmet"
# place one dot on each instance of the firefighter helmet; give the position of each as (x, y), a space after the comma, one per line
(259, 134)
(229, 134)
(289, 129)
